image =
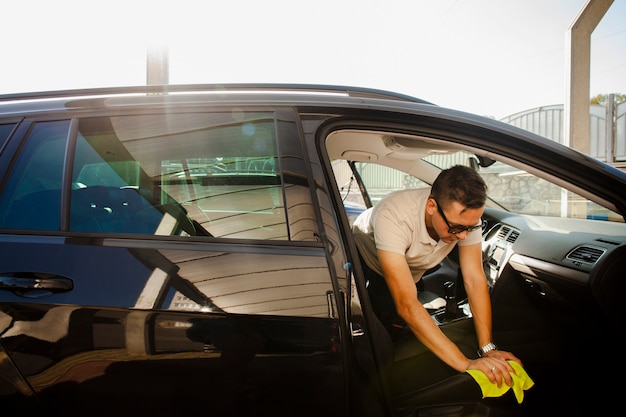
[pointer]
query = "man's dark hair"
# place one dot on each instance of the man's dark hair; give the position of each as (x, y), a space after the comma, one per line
(462, 184)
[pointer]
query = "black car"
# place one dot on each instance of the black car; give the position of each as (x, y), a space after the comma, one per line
(179, 250)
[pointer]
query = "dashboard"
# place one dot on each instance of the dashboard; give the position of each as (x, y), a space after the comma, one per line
(562, 248)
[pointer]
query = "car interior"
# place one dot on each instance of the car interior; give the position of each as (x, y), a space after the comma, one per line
(550, 255)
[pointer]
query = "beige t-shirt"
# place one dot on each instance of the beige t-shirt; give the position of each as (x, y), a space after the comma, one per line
(397, 224)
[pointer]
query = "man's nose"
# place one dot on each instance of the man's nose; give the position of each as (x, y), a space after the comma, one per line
(461, 235)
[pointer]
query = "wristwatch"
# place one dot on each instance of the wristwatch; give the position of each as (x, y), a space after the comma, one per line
(488, 347)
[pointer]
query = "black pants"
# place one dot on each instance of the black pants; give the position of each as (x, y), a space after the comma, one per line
(383, 305)
(382, 302)
(380, 297)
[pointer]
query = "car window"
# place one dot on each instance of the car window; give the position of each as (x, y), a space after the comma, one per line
(193, 174)
(32, 195)
(188, 174)
(509, 188)
(5, 131)
(379, 180)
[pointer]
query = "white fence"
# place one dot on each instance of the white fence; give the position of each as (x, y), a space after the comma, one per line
(607, 132)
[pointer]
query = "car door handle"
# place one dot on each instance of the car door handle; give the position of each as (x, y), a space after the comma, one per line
(34, 283)
(535, 287)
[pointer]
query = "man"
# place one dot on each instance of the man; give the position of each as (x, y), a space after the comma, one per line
(411, 231)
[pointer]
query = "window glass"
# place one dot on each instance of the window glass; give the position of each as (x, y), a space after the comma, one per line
(509, 188)
(200, 174)
(521, 192)
(5, 131)
(379, 180)
(32, 195)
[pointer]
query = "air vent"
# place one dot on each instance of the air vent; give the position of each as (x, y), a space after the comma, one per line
(504, 231)
(508, 234)
(513, 236)
(586, 254)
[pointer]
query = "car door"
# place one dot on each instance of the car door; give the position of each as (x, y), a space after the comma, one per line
(166, 263)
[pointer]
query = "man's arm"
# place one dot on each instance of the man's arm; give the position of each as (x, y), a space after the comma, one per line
(470, 258)
(400, 282)
(475, 282)
(404, 292)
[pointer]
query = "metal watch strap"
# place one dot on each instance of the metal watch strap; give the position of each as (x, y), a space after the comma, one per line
(488, 347)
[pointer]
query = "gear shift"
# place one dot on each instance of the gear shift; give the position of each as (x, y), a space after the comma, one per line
(452, 308)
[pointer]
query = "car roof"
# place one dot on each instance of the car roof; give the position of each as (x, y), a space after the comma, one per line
(286, 93)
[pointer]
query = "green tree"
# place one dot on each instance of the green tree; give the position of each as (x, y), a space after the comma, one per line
(604, 98)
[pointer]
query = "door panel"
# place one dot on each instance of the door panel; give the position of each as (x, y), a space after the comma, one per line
(227, 331)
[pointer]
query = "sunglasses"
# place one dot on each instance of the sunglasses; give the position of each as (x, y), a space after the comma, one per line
(457, 228)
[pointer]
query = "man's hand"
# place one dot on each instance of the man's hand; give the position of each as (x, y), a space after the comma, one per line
(494, 364)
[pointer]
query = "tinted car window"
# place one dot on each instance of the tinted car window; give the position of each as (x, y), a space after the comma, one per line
(194, 174)
(5, 131)
(31, 197)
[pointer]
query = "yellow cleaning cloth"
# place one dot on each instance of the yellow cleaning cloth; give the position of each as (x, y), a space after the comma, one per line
(521, 382)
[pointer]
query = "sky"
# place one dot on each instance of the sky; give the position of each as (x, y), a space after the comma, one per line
(488, 57)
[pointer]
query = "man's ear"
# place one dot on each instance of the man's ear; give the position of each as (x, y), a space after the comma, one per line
(431, 206)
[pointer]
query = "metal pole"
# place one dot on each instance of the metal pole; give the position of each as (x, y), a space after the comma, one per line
(610, 129)
(578, 73)
(157, 66)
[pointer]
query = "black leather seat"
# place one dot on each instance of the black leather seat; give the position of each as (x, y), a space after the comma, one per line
(416, 379)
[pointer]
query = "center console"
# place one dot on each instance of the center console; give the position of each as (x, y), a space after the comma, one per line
(497, 249)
